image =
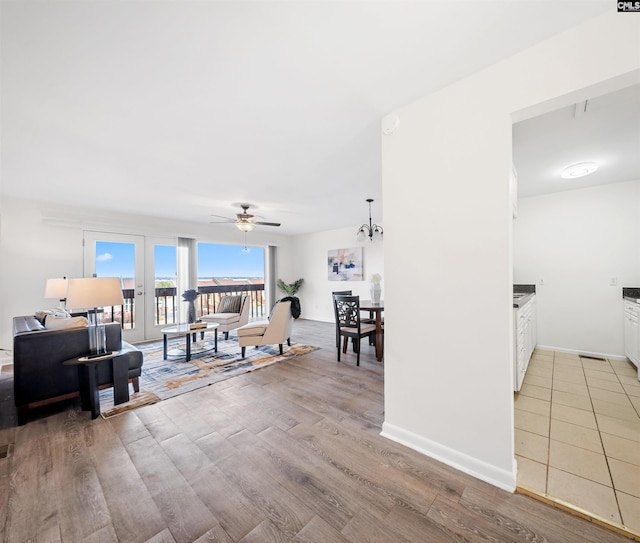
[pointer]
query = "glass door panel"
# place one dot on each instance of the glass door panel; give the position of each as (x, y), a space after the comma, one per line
(166, 310)
(120, 255)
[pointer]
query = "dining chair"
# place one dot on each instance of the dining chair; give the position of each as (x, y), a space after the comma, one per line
(349, 324)
(339, 293)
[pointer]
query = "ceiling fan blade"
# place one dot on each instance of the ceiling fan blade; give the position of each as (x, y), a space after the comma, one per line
(222, 217)
(266, 223)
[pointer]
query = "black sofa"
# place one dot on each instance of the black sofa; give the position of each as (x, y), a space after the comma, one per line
(39, 378)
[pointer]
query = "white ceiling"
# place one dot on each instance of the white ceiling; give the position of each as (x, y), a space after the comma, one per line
(186, 108)
(603, 129)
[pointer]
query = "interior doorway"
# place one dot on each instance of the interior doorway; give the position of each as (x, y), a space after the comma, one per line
(567, 416)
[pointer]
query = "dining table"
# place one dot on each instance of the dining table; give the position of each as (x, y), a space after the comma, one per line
(376, 308)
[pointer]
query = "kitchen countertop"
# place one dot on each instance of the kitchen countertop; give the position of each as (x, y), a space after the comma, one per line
(631, 294)
(522, 294)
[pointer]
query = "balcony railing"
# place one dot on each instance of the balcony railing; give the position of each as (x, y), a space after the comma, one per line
(166, 303)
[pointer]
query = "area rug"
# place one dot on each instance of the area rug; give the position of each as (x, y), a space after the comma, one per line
(162, 379)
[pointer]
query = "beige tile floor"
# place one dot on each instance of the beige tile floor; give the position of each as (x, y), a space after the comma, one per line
(577, 429)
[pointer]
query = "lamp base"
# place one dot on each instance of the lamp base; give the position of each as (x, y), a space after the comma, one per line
(97, 333)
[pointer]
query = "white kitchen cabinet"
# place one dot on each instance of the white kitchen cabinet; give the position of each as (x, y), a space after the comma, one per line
(525, 330)
(632, 332)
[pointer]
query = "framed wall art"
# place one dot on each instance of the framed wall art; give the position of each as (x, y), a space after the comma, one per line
(345, 264)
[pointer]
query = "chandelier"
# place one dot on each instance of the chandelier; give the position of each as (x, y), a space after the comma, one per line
(373, 231)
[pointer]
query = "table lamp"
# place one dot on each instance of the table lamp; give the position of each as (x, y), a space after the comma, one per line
(93, 294)
(56, 288)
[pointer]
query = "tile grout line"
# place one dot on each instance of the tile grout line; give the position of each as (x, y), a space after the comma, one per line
(604, 451)
(633, 405)
(546, 481)
(637, 412)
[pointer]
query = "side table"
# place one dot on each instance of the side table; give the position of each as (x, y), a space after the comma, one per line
(88, 377)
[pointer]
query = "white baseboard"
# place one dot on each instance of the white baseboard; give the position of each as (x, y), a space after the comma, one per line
(316, 318)
(586, 353)
(491, 474)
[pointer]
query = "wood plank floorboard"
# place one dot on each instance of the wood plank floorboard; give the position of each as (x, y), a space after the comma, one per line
(265, 531)
(33, 511)
(359, 496)
(289, 453)
(510, 514)
(163, 537)
(318, 531)
(336, 446)
(269, 495)
(119, 477)
(301, 480)
(181, 508)
(83, 508)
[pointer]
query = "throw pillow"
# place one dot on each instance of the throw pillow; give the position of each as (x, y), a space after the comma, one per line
(58, 312)
(42, 315)
(230, 304)
(56, 323)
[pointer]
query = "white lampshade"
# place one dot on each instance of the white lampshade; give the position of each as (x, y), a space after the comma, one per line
(88, 292)
(56, 288)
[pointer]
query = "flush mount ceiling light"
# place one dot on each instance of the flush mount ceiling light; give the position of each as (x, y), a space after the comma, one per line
(580, 169)
(373, 231)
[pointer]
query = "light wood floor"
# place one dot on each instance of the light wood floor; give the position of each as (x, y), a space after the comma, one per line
(291, 452)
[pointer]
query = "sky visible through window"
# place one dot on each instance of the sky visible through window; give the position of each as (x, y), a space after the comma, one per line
(114, 259)
(229, 261)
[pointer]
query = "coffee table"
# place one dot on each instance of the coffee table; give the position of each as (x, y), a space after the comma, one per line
(190, 337)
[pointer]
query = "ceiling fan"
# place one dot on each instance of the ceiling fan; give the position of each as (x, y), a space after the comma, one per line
(245, 221)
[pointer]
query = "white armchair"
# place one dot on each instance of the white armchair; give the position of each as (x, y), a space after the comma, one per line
(232, 313)
(276, 330)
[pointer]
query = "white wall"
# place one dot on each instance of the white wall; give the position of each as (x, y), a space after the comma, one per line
(448, 351)
(310, 263)
(577, 241)
(39, 241)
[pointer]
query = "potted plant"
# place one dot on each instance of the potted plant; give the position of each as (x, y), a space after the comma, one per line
(290, 289)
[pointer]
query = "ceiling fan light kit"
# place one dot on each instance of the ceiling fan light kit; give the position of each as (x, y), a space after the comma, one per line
(245, 221)
(245, 226)
(372, 231)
